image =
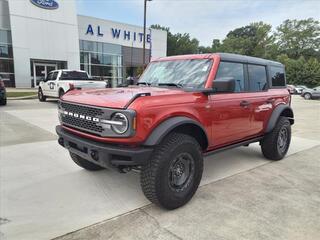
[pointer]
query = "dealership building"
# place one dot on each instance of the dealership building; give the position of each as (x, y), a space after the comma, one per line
(38, 36)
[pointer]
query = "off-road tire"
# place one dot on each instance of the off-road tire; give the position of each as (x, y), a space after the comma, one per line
(41, 97)
(154, 176)
(61, 93)
(84, 163)
(307, 96)
(270, 145)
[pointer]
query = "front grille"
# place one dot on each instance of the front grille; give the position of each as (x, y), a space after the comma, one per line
(77, 122)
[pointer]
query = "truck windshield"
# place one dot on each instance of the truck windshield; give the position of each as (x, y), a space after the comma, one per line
(74, 75)
(190, 73)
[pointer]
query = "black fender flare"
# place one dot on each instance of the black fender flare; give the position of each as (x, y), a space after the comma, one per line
(167, 126)
(277, 112)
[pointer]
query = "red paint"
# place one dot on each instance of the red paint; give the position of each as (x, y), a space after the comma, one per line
(224, 120)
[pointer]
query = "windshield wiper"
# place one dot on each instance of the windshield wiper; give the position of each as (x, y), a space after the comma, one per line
(179, 85)
(144, 83)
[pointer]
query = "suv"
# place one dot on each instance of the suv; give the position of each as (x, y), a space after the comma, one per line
(311, 93)
(184, 108)
(59, 82)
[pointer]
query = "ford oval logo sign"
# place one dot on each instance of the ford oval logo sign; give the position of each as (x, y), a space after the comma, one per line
(46, 4)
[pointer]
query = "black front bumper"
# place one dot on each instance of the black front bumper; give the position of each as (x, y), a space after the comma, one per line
(103, 154)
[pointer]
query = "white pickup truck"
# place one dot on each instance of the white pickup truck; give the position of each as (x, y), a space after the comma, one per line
(59, 82)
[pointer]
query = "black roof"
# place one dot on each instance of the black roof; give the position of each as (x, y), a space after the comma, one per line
(246, 59)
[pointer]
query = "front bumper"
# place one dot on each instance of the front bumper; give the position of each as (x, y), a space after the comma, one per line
(105, 155)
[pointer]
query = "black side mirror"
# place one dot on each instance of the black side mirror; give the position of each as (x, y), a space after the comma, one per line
(224, 85)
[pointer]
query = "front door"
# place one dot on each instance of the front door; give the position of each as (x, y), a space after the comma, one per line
(231, 112)
(40, 72)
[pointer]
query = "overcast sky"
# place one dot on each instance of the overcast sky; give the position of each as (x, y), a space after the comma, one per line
(203, 19)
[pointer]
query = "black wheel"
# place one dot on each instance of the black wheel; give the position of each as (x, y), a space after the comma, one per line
(307, 96)
(61, 93)
(41, 97)
(3, 101)
(275, 144)
(174, 172)
(84, 163)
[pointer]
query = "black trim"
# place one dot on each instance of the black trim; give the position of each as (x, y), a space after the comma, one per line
(239, 144)
(105, 155)
(167, 126)
(275, 116)
(135, 97)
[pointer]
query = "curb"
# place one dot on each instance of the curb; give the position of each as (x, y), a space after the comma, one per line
(23, 98)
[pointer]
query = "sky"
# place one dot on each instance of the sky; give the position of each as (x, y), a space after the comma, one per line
(203, 19)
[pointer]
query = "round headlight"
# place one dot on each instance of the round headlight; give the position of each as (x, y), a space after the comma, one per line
(120, 123)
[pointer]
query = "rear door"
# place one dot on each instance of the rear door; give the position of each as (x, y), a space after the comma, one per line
(230, 112)
(261, 99)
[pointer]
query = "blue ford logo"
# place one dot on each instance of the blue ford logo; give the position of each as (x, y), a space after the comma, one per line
(46, 4)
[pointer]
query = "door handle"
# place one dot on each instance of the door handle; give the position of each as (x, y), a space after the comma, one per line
(244, 103)
(270, 100)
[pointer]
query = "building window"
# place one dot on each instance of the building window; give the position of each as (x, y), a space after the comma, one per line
(6, 58)
(102, 61)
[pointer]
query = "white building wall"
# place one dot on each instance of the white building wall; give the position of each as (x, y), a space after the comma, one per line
(43, 34)
(158, 37)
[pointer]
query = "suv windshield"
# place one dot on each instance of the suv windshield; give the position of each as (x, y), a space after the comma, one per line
(74, 75)
(180, 73)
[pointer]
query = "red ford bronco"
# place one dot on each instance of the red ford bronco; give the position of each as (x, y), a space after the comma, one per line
(183, 108)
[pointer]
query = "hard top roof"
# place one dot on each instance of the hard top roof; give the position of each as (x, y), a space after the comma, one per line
(224, 57)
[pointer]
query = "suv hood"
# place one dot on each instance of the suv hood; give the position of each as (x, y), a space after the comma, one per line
(114, 97)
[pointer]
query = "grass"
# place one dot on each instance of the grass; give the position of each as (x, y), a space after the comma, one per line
(20, 94)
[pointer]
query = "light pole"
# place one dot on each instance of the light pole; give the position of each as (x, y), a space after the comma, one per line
(144, 32)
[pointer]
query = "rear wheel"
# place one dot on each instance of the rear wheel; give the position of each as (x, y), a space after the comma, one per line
(174, 172)
(41, 97)
(307, 96)
(84, 163)
(275, 144)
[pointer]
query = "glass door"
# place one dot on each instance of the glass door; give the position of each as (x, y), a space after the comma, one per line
(41, 71)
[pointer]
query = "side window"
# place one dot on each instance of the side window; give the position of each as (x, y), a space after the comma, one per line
(277, 76)
(235, 70)
(257, 78)
(49, 77)
(54, 76)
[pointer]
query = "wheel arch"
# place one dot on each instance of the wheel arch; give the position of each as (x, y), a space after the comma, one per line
(178, 124)
(280, 110)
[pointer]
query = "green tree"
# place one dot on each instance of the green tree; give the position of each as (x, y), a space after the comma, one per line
(179, 43)
(299, 38)
(252, 40)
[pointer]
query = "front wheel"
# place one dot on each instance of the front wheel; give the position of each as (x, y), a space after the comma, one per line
(174, 172)
(84, 163)
(275, 144)
(41, 97)
(307, 96)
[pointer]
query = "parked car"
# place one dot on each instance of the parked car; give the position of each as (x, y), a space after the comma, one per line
(291, 89)
(3, 93)
(184, 108)
(300, 88)
(311, 93)
(59, 82)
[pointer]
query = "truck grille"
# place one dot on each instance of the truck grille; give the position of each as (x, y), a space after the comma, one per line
(80, 123)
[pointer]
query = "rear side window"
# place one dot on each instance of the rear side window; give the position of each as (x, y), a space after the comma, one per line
(235, 70)
(277, 76)
(257, 78)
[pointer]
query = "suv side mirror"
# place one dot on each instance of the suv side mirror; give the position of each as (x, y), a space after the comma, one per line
(224, 84)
